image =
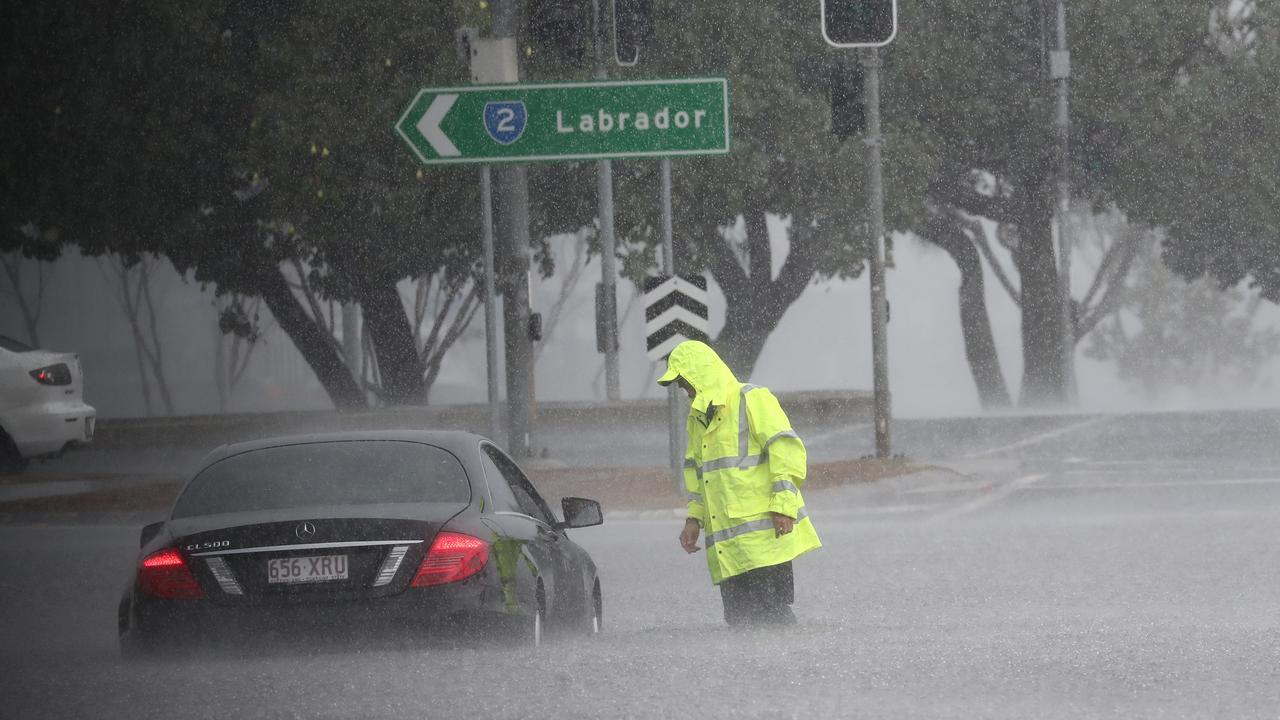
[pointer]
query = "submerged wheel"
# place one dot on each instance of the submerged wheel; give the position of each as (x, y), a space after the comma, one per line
(136, 645)
(595, 619)
(11, 461)
(529, 630)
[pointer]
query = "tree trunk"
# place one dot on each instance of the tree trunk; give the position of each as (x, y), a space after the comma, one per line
(757, 302)
(975, 323)
(742, 339)
(398, 360)
(315, 346)
(1043, 381)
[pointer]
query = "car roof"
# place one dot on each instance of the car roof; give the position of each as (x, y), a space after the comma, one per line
(462, 444)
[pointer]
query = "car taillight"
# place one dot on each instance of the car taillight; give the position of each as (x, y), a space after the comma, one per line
(166, 575)
(452, 557)
(58, 374)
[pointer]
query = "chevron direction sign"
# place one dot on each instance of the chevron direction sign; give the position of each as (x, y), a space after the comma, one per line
(675, 310)
(567, 121)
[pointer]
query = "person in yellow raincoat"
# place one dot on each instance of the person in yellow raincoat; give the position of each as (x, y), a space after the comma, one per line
(743, 470)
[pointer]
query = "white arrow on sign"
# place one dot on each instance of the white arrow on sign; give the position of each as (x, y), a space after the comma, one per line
(429, 126)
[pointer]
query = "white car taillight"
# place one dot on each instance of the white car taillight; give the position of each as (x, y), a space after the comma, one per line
(58, 374)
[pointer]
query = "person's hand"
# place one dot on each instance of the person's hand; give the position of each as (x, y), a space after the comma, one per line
(782, 524)
(689, 536)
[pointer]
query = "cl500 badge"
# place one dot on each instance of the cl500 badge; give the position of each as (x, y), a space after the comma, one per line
(211, 545)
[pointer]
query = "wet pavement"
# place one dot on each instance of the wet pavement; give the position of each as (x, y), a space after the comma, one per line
(1085, 567)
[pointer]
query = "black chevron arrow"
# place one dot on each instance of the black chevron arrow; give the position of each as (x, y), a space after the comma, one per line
(676, 327)
(671, 300)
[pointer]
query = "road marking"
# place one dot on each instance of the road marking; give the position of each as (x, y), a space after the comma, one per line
(1159, 484)
(1036, 439)
(999, 493)
(946, 487)
(828, 513)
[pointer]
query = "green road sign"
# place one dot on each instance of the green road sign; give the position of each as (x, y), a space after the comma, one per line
(571, 121)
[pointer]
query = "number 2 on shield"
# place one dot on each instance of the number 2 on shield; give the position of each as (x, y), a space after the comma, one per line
(506, 118)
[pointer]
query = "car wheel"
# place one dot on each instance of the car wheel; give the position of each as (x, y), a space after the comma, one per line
(527, 630)
(535, 638)
(11, 461)
(539, 617)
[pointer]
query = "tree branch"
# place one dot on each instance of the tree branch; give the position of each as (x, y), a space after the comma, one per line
(983, 243)
(1114, 294)
(724, 266)
(960, 194)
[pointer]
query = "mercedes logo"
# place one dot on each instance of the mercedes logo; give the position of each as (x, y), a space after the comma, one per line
(305, 531)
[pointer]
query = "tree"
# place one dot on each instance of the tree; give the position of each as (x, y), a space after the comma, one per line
(131, 280)
(27, 296)
(1170, 334)
(237, 333)
(1212, 180)
(1103, 240)
(259, 144)
(973, 77)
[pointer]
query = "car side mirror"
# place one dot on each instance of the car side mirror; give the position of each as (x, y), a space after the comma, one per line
(149, 532)
(581, 512)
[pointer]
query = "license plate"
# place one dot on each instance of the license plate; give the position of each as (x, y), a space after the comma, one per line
(316, 568)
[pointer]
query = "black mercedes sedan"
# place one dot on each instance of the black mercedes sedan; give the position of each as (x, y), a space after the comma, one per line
(405, 530)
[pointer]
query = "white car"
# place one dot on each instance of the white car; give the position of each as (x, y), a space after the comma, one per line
(41, 407)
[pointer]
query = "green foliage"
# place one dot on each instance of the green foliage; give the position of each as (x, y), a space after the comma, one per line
(1217, 181)
(1172, 335)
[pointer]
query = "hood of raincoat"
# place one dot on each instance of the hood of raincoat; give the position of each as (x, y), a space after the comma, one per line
(702, 368)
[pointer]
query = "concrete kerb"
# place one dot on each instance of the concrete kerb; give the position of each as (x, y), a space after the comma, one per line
(805, 408)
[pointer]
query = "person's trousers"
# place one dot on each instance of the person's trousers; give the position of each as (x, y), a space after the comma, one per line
(760, 597)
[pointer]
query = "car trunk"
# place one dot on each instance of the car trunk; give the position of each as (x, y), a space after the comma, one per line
(341, 554)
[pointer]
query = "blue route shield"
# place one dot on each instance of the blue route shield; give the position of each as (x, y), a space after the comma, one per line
(505, 121)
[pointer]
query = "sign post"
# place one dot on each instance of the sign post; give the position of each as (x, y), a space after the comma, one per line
(675, 431)
(569, 121)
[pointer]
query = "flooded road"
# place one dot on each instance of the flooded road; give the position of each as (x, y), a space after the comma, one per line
(1123, 567)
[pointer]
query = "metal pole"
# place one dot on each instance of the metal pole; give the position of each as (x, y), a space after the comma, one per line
(608, 254)
(352, 346)
(513, 194)
(1062, 73)
(875, 212)
(675, 433)
(490, 298)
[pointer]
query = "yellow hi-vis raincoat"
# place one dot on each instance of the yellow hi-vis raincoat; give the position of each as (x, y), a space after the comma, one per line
(743, 462)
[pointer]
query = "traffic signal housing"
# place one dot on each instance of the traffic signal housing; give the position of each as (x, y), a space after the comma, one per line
(859, 23)
(561, 28)
(632, 28)
(845, 93)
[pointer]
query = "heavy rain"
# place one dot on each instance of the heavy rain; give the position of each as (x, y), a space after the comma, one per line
(352, 362)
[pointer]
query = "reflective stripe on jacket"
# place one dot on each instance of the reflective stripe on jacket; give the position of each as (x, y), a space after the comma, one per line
(741, 464)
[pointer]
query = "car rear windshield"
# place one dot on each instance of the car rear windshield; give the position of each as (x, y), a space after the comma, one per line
(363, 472)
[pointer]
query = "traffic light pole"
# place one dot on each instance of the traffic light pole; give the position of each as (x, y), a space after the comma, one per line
(608, 253)
(1060, 69)
(875, 211)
